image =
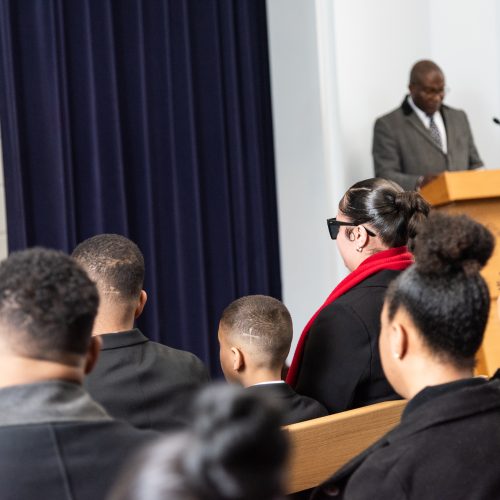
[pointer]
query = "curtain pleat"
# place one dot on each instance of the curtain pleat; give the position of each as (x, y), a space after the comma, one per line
(150, 119)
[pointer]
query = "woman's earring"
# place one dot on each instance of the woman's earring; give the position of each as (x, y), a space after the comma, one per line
(396, 355)
(359, 249)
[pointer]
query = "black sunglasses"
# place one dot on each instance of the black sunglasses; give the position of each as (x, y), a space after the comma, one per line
(334, 226)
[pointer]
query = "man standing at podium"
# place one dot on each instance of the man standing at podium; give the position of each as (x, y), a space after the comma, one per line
(423, 137)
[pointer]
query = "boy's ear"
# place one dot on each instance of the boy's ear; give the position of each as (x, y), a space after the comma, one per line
(238, 359)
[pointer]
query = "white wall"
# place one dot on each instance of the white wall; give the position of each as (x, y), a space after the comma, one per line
(335, 66)
(303, 201)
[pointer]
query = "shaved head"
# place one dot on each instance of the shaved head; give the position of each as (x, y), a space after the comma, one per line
(115, 263)
(421, 69)
(260, 325)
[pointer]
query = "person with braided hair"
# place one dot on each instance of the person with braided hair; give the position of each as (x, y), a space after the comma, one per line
(234, 449)
(433, 322)
(337, 360)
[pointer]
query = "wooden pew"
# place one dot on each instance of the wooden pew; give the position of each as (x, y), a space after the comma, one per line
(321, 446)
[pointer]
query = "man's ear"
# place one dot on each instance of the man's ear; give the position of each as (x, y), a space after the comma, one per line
(143, 298)
(92, 354)
(238, 359)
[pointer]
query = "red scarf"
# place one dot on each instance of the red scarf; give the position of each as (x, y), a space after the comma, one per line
(394, 259)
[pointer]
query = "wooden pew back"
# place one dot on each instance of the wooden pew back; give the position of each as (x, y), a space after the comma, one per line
(321, 446)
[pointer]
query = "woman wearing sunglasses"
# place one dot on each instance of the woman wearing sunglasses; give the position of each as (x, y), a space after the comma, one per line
(337, 361)
(433, 321)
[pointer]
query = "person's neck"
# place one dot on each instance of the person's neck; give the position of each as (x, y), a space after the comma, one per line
(367, 252)
(109, 320)
(18, 370)
(260, 375)
(430, 373)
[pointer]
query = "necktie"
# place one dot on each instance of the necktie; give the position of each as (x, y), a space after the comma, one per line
(436, 136)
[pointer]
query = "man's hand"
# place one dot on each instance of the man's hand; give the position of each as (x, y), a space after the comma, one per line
(425, 179)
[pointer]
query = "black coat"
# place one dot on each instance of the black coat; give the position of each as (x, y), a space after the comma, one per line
(341, 363)
(144, 383)
(65, 461)
(445, 448)
(296, 408)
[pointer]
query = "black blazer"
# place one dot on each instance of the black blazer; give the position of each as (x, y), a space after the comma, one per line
(296, 408)
(445, 448)
(341, 363)
(65, 461)
(144, 383)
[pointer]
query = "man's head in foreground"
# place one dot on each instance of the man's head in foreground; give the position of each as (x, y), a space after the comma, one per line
(47, 310)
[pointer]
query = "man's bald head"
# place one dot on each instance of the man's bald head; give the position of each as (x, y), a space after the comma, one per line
(422, 68)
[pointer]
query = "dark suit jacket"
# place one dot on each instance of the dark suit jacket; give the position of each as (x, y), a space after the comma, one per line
(446, 447)
(296, 408)
(403, 149)
(144, 383)
(341, 363)
(65, 461)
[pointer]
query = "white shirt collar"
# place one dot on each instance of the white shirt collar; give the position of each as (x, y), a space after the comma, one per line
(271, 382)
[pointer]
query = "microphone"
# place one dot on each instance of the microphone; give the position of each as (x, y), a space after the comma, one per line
(496, 120)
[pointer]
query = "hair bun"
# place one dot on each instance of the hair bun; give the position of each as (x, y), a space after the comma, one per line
(411, 202)
(448, 244)
(415, 210)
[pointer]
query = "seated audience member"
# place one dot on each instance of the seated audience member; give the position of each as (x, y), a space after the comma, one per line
(433, 322)
(57, 442)
(136, 380)
(337, 359)
(234, 449)
(255, 334)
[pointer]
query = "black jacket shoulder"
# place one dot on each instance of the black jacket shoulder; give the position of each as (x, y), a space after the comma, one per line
(341, 366)
(65, 461)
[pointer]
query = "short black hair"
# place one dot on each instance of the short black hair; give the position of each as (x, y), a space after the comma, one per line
(443, 292)
(391, 211)
(115, 263)
(234, 449)
(47, 304)
(422, 68)
(263, 323)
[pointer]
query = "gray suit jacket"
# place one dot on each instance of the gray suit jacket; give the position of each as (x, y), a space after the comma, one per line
(403, 149)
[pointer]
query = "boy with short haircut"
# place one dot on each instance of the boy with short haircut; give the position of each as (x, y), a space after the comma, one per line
(255, 334)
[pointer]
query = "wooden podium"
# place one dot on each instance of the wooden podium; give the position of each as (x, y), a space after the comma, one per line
(477, 194)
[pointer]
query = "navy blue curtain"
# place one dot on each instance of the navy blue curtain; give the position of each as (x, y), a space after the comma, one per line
(150, 119)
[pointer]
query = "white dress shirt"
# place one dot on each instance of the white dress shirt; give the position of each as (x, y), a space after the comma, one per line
(426, 120)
